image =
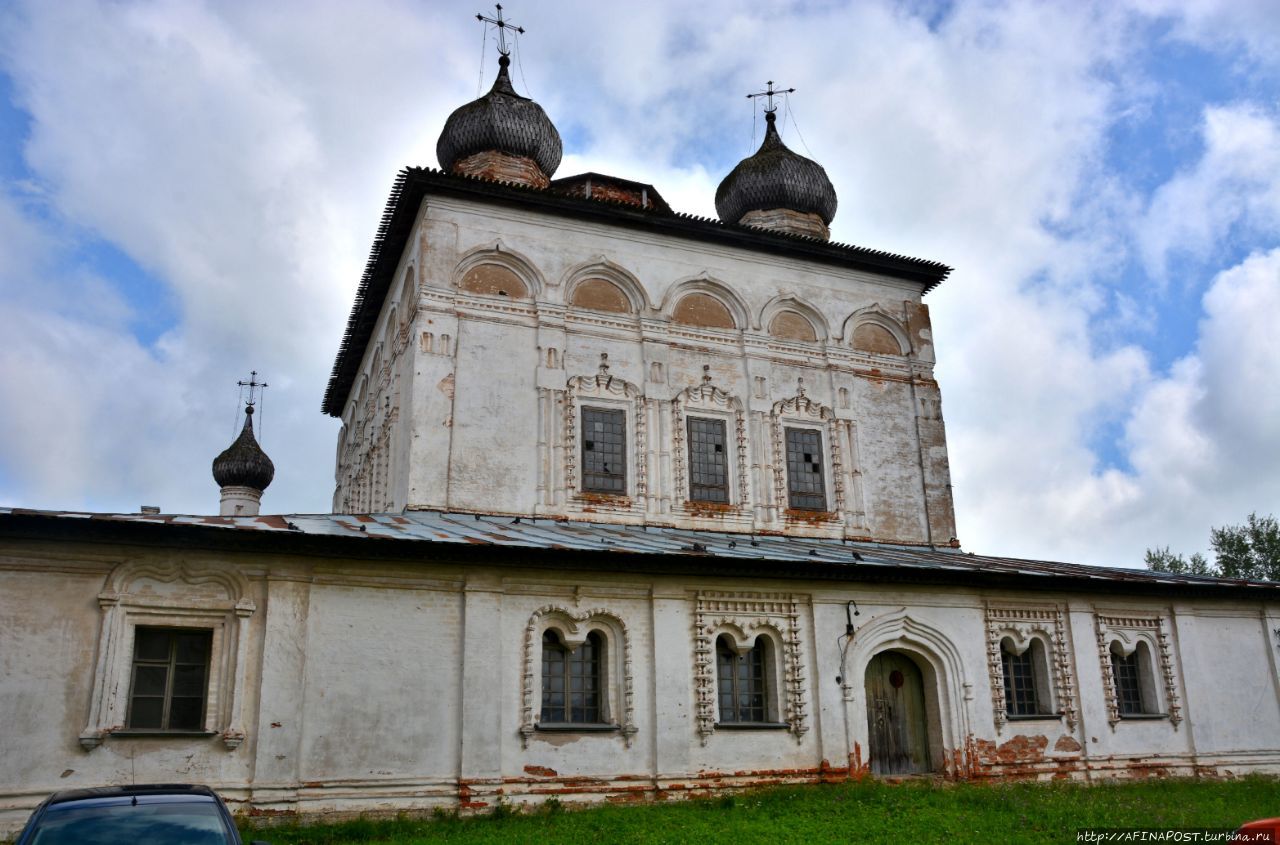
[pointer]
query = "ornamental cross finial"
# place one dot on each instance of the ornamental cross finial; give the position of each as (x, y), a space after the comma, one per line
(800, 386)
(502, 26)
(254, 386)
(604, 363)
(769, 94)
(706, 374)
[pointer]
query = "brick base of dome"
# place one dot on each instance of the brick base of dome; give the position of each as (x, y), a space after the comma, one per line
(502, 167)
(786, 220)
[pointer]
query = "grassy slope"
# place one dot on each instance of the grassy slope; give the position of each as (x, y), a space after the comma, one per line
(865, 812)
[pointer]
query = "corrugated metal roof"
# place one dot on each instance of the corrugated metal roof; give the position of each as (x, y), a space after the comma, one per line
(546, 533)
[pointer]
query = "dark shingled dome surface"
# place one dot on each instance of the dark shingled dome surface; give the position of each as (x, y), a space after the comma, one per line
(775, 177)
(500, 121)
(244, 464)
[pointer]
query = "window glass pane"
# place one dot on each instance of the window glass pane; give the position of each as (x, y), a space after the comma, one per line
(150, 680)
(192, 648)
(146, 713)
(186, 714)
(188, 680)
(151, 644)
(1128, 683)
(708, 462)
(805, 489)
(604, 461)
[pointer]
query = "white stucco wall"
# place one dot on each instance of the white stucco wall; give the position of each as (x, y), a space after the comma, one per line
(387, 686)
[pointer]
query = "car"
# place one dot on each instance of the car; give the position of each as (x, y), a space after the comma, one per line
(152, 814)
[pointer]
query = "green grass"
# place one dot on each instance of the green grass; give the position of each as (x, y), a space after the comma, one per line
(865, 812)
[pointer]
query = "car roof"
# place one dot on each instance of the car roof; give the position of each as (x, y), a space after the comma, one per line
(181, 790)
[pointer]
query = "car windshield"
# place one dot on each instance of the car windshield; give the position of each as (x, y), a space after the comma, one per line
(135, 824)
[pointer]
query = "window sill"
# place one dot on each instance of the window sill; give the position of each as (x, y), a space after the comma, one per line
(576, 727)
(752, 726)
(1143, 717)
(1037, 717)
(137, 733)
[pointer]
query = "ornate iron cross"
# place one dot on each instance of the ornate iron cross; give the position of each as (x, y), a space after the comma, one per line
(502, 26)
(770, 108)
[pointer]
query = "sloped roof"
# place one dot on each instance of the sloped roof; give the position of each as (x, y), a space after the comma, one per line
(568, 545)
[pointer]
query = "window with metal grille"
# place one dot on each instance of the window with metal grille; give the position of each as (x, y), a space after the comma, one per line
(743, 686)
(170, 677)
(1127, 673)
(805, 490)
(571, 681)
(604, 456)
(1020, 697)
(708, 462)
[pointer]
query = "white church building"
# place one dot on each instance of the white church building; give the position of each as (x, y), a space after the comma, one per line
(629, 505)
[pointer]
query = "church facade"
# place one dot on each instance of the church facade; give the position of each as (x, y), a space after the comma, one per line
(628, 505)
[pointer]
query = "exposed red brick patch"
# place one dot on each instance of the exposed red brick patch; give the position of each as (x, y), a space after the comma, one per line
(540, 771)
(1067, 744)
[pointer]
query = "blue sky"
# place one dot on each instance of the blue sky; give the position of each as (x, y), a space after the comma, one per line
(190, 190)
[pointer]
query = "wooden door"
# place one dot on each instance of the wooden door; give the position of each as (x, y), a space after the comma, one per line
(896, 715)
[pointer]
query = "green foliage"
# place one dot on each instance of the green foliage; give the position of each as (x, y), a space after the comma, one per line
(869, 811)
(1250, 551)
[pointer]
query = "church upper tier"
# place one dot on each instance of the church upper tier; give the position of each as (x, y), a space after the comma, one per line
(581, 351)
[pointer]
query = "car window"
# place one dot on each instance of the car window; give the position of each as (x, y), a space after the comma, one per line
(129, 824)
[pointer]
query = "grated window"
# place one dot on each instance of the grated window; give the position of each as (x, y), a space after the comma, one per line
(805, 490)
(604, 456)
(708, 463)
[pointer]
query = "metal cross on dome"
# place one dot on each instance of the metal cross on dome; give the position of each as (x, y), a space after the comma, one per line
(502, 26)
(770, 108)
(253, 384)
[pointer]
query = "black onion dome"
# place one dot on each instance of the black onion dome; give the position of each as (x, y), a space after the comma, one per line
(775, 177)
(244, 464)
(504, 121)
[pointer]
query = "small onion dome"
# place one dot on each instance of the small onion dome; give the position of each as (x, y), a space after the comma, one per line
(500, 121)
(244, 464)
(775, 178)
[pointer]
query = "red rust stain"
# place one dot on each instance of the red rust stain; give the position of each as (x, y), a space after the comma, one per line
(706, 510)
(540, 771)
(1066, 744)
(808, 517)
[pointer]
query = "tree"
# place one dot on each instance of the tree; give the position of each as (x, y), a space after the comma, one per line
(1250, 551)
(1162, 560)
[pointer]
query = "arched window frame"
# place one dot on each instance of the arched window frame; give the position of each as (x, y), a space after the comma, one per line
(708, 401)
(1033, 650)
(734, 651)
(1143, 634)
(801, 412)
(607, 392)
(572, 628)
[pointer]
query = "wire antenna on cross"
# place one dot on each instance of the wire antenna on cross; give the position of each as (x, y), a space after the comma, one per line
(503, 26)
(254, 385)
(770, 108)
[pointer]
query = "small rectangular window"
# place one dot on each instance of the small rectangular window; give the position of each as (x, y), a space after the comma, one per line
(170, 677)
(708, 463)
(604, 451)
(805, 490)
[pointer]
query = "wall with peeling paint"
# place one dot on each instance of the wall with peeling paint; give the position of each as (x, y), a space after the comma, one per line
(375, 686)
(487, 382)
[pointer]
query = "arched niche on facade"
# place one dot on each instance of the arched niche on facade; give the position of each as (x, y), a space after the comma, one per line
(946, 687)
(705, 303)
(875, 331)
(497, 272)
(787, 318)
(604, 286)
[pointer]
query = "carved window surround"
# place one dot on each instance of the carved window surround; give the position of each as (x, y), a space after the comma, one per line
(804, 411)
(573, 628)
(1128, 630)
(745, 616)
(175, 595)
(1021, 624)
(615, 392)
(706, 397)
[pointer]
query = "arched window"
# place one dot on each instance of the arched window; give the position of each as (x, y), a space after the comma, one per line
(744, 688)
(1026, 680)
(571, 681)
(1134, 680)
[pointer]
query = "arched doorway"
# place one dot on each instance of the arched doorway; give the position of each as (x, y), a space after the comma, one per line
(896, 715)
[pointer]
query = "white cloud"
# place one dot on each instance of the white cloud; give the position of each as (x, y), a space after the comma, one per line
(1235, 182)
(241, 154)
